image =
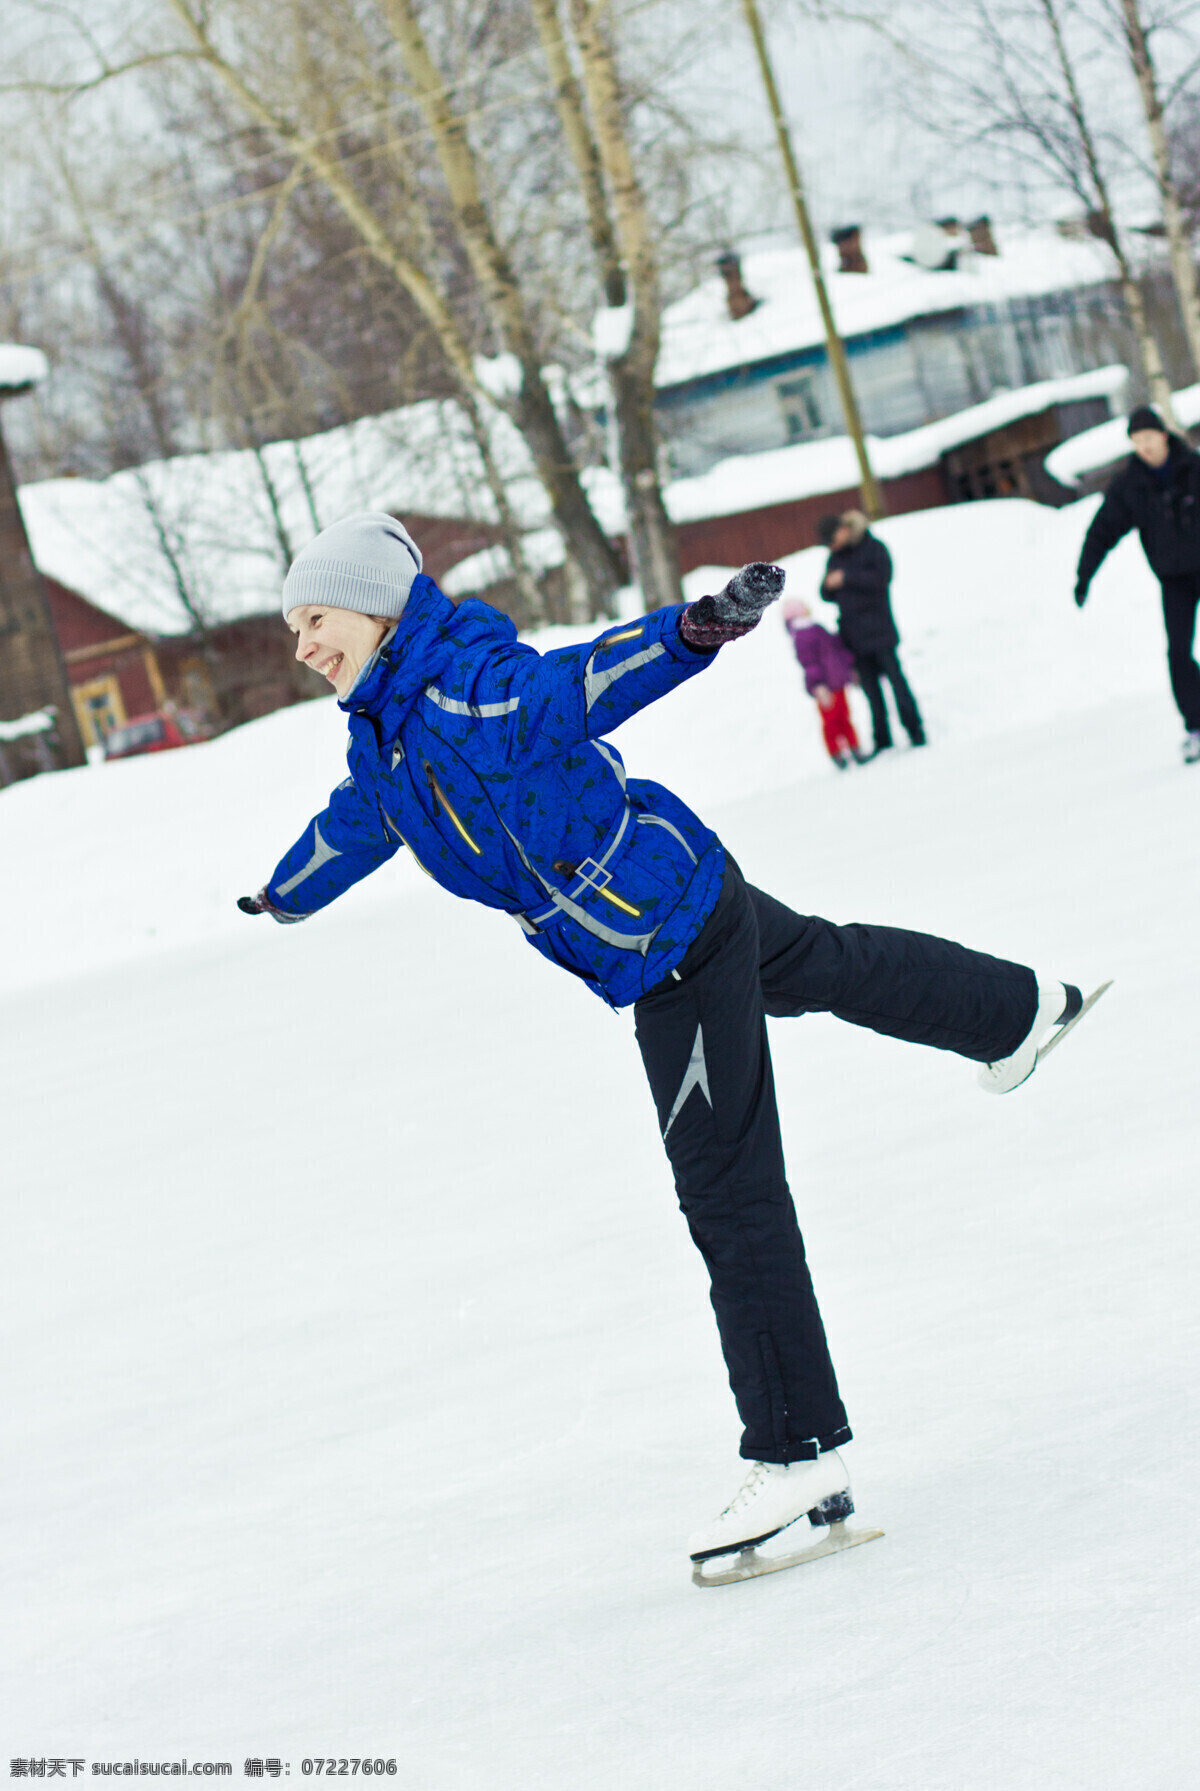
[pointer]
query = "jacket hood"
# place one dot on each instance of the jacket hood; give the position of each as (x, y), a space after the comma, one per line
(418, 650)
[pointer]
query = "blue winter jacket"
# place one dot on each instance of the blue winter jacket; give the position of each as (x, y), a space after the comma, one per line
(486, 759)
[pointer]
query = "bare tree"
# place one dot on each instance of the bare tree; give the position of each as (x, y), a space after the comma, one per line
(1183, 268)
(337, 199)
(623, 242)
(1104, 219)
(1008, 87)
(316, 150)
(505, 302)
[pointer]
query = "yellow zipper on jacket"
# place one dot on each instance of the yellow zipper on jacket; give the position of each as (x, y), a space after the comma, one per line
(404, 842)
(614, 640)
(440, 802)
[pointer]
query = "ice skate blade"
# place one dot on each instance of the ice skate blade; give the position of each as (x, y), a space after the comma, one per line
(1057, 1038)
(749, 1565)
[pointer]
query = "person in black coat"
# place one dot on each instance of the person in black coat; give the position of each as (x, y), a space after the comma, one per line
(1157, 492)
(857, 578)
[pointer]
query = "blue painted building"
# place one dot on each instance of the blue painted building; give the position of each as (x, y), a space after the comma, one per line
(744, 367)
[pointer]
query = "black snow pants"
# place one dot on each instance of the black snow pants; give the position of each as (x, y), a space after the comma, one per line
(703, 1039)
(871, 669)
(1180, 598)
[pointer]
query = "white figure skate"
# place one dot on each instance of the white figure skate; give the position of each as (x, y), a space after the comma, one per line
(773, 1496)
(1060, 1008)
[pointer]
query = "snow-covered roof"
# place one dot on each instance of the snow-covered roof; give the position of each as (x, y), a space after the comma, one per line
(699, 337)
(542, 549)
(103, 538)
(21, 367)
(39, 721)
(1092, 449)
(804, 469)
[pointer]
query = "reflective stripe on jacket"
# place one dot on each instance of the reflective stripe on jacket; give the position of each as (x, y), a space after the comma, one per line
(486, 759)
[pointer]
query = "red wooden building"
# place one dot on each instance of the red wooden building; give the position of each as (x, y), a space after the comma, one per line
(780, 529)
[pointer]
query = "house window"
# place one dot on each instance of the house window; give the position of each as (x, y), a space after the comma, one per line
(99, 708)
(798, 401)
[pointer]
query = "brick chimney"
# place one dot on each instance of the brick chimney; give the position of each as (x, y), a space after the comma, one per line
(850, 249)
(980, 232)
(740, 302)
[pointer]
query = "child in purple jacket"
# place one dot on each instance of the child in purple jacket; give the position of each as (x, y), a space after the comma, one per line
(828, 667)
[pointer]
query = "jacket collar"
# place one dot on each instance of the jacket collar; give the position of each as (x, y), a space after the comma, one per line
(415, 651)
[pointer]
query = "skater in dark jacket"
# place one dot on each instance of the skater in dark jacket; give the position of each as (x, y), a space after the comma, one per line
(858, 578)
(1157, 492)
(488, 761)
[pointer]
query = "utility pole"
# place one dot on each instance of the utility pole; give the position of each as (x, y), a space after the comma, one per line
(871, 501)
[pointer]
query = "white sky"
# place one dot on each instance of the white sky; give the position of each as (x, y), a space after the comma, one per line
(842, 84)
(844, 90)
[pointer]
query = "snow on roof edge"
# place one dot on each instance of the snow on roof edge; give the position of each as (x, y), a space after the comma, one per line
(21, 367)
(806, 469)
(1093, 449)
(38, 721)
(747, 482)
(221, 513)
(700, 339)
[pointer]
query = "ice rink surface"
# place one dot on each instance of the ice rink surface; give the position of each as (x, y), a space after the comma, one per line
(358, 1386)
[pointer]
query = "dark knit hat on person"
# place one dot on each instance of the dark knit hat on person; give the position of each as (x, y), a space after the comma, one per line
(1145, 417)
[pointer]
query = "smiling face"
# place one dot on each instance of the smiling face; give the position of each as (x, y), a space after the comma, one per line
(335, 642)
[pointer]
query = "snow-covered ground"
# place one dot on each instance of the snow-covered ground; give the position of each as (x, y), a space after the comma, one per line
(358, 1384)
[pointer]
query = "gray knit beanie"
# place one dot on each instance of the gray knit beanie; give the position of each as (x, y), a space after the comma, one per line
(366, 563)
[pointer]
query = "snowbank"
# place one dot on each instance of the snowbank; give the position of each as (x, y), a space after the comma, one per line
(214, 521)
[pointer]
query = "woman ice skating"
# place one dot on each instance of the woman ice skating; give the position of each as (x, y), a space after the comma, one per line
(828, 668)
(489, 762)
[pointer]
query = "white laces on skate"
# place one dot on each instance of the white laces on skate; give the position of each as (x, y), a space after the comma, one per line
(749, 1489)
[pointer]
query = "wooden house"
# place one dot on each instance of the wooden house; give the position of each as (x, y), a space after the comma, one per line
(935, 321)
(163, 581)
